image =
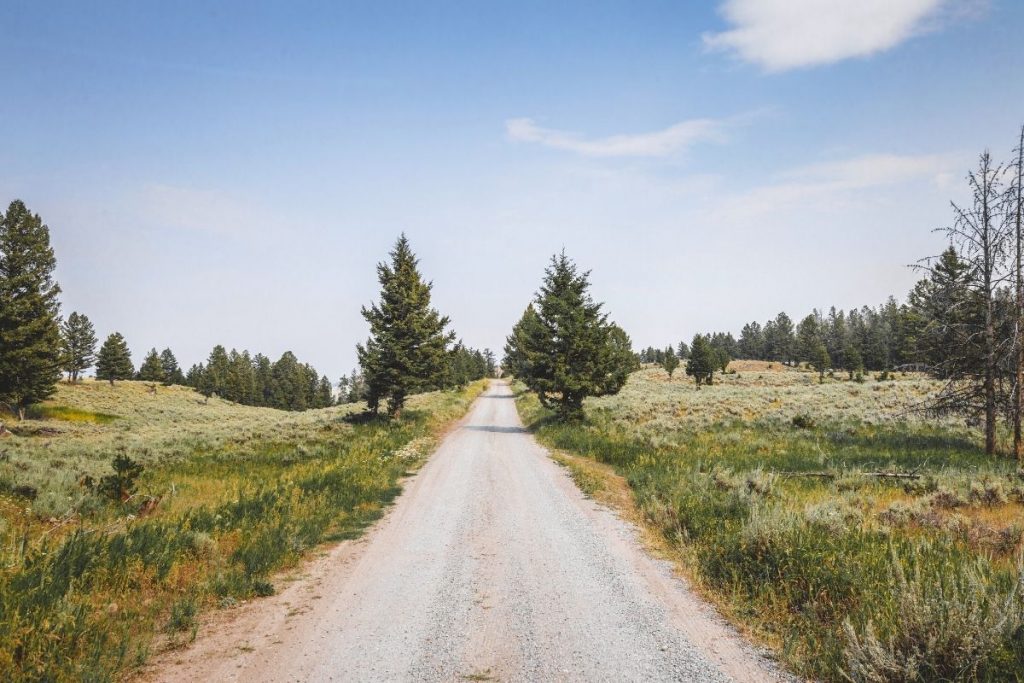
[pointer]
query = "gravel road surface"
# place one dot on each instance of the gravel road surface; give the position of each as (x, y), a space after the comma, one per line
(490, 566)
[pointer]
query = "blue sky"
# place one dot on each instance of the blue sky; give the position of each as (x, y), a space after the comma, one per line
(232, 175)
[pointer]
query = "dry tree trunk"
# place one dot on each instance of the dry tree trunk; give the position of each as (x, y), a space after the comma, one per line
(980, 231)
(1017, 197)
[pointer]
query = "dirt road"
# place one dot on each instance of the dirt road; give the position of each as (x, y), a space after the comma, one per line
(491, 566)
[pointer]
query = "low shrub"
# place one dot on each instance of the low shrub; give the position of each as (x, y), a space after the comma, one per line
(947, 626)
(987, 492)
(803, 421)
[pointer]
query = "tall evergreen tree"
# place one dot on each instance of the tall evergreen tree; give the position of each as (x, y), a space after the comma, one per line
(215, 374)
(114, 361)
(780, 344)
(408, 346)
(263, 380)
(703, 360)
(194, 376)
(240, 385)
(79, 339)
(751, 343)
(172, 372)
(351, 388)
(324, 393)
(30, 342)
(289, 384)
(670, 362)
(152, 370)
(820, 361)
(565, 345)
(808, 338)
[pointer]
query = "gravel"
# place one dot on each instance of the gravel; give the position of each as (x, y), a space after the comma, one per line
(491, 566)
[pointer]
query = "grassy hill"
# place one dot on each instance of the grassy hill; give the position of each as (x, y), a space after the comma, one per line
(853, 534)
(228, 495)
(85, 425)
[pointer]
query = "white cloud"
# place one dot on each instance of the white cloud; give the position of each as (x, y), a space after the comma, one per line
(675, 138)
(786, 34)
(871, 170)
(825, 186)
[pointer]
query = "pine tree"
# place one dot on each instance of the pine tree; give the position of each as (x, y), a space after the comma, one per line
(780, 344)
(670, 362)
(194, 376)
(351, 388)
(263, 380)
(114, 361)
(79, 339)
(808, 338)
(172, 372)
(703, 360)
(215, 374)
(325, 393)
(853, 363)
(752, 342)
(240, 383)
(30, 343)
(152, 370)
(820, 361)
(408, 346)
(564, 348)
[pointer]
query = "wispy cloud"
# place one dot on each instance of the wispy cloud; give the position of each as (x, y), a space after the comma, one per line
(661, 143)
(827, 185)
(872, 170)
(786, 34)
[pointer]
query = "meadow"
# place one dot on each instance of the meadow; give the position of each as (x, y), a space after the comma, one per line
(228, 496)
(854, 535)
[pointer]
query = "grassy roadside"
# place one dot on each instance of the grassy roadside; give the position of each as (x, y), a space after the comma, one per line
(232, 495)
(845, 574)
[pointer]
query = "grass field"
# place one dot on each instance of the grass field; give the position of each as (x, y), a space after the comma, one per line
(833, 522)
(229, 495)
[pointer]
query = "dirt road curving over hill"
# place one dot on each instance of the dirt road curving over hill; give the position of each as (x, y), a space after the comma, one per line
(490, 566)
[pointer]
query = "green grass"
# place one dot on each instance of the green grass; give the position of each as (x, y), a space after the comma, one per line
(230, 496)
(68, 414)
(812, 565)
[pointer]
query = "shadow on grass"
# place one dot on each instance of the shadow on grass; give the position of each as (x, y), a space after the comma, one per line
(357, 524)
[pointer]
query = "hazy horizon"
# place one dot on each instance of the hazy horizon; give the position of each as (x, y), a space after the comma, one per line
(233, 176)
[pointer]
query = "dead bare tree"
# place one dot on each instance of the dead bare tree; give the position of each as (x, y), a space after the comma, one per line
(1015, 202)
(980, 234)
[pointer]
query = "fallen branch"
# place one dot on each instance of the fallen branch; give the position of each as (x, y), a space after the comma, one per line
(833, 475)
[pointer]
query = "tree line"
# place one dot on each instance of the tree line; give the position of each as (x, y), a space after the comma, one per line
(37, 345)
(243, 378)
(962, 322)
(409, 349)
(255, 380)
